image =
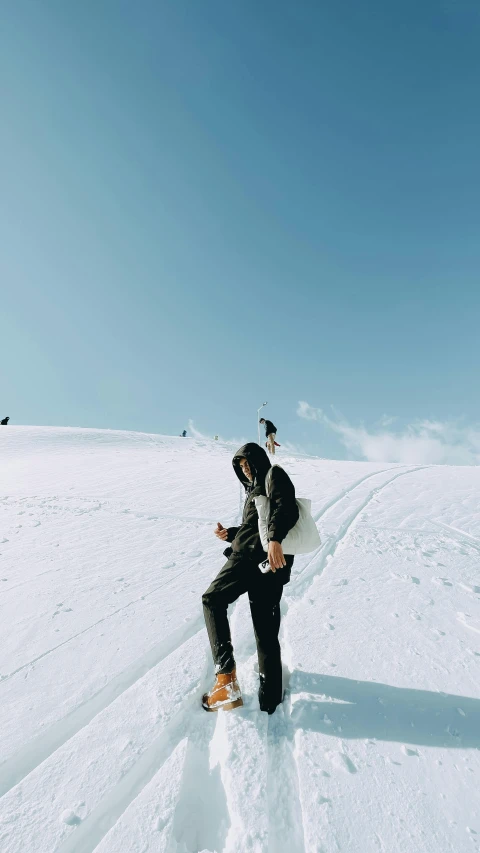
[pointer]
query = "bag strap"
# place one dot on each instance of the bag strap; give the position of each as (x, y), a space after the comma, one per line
(268, 480)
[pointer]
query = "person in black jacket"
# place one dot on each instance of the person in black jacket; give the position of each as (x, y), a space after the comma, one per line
(4, 421)
(270, 432)
(241, 573)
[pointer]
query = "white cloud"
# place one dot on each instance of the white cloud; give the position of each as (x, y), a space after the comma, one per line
(305, 410)
(387, 420)
(427, 442)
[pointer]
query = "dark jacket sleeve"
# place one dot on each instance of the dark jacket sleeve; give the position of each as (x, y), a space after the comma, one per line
(283, 506)
(232, 532)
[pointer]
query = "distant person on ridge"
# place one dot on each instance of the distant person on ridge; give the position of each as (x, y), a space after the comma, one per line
(184, 434)
(270, 432)
(5, 421)
(241, 573)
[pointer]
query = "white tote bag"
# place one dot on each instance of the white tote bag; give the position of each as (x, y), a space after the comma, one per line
(302, 538)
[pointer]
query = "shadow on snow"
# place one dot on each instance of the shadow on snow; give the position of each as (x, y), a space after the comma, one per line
(365, 709)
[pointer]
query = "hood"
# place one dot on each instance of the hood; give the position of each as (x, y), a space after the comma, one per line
(258, 461)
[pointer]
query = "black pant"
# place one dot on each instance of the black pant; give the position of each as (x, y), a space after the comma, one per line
(237, 576)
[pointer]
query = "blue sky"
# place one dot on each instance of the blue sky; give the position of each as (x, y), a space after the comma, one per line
(205, 205)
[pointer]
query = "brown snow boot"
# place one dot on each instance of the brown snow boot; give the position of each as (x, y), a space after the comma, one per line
(225, 693)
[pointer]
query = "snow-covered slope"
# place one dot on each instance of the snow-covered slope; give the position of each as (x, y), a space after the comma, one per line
(106, 546)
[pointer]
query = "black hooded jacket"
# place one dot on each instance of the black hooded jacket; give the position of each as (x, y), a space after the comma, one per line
(269, 427)
(283, 506)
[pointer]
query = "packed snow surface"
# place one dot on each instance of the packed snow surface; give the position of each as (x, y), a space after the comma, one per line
(106, 543)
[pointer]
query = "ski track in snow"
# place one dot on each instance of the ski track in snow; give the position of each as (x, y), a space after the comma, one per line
(327, 549)
(12, 771)
(457, 535)
(214, 768)
(34, 753)
(101, 819)
(92, 626)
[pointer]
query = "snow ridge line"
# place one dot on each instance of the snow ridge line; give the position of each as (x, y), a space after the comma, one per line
(283, 784)
(121, 796)
(185, 725)
(34, 753)
(27, 581)
(316, 565)
(83, 631)
(87, 836)
(282, 760)
(333, 503)
(343, 494)
(94, 625)
(456, 534)
(38, 750)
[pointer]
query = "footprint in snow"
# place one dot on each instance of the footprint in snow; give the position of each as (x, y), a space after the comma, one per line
(349, 765)
(62, 610)
(472, 589)
(469, 622)
(415, 615)
(341, 761)
(410, 752)
(70, 818)
(406, 578)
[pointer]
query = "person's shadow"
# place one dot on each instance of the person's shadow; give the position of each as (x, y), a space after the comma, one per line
(365, 709)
